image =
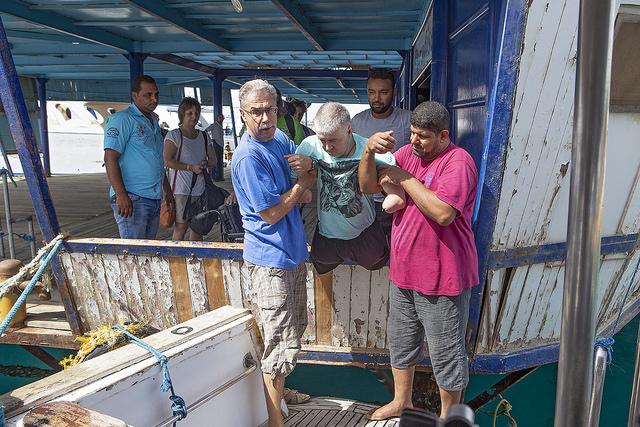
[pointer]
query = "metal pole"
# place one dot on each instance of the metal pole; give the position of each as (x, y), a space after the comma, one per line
(216, 80)
(32, 243)
(593, 75)
(635, 393)
(7, 215)
(599, 370)
(44, 125)
(233, 122)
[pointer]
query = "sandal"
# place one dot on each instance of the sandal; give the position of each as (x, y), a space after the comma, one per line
(294, 397)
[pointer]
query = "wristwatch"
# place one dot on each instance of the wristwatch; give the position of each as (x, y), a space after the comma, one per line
(314, 165)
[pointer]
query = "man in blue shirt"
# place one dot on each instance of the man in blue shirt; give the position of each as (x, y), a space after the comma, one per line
(275, 247)
(135, 166)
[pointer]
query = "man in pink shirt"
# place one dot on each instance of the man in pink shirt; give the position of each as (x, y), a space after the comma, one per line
(433, 261)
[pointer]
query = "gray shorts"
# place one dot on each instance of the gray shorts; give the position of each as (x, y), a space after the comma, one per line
(443, 321)
(282, 314)
(181, 204)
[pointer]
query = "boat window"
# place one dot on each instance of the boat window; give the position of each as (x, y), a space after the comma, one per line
(625, 67)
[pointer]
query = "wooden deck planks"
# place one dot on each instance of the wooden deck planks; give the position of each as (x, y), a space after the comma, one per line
(378, 309)
(360, 305)
(310, 332)
(215, 283)
(341, 305)
(181, 289)
(333, 412)
(324, 307)
(197, 286)
(45, 325)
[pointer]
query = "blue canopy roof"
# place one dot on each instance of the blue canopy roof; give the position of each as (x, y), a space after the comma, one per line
(188, 40)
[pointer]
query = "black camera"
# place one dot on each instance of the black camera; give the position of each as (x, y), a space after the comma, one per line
(458, 416)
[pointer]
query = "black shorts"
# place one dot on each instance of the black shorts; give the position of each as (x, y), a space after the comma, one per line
(369, 250)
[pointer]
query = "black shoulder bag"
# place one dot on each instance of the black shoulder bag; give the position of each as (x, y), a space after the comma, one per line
(201, 212)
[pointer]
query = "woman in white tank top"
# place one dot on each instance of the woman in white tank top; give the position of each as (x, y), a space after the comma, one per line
(187, 152)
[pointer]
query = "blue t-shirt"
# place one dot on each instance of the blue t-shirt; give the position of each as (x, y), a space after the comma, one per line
(140, 145)
(343, 210)
(260, 175)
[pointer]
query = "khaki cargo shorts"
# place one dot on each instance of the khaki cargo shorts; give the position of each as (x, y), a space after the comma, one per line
(282, 314)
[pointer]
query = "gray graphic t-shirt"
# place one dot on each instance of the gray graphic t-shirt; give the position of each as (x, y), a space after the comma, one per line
(343, 211)
(399, 122)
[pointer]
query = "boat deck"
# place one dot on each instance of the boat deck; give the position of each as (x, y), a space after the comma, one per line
(45, 325)
(333, 412)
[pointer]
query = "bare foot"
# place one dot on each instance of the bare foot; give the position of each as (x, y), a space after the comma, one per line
(390, 410)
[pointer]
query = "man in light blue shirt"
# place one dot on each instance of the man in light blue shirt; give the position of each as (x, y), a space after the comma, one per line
(135, 166)
(275, 246)
(347, 226)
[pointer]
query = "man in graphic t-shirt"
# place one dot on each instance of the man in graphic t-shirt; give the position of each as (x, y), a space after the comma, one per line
(347, 226)
(433, 261)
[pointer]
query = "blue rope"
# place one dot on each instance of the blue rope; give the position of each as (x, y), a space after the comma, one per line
(178, 407)
(23, 296)
(24, 236)
(607, 343)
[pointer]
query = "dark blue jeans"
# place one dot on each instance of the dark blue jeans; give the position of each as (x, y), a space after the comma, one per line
(143, 222)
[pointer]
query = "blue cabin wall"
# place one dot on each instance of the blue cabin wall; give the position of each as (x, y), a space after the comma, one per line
(468, 37)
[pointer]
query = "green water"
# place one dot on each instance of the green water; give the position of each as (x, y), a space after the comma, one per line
(11, 355)
(533, 398)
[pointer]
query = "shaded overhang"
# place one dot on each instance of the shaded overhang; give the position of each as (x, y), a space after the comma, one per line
(188, 41)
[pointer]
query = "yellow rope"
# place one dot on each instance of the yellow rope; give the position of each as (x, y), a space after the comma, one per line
(506, 412)
(103, 336)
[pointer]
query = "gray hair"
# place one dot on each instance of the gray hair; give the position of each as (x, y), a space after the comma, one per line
(330, 118)
(255, 86)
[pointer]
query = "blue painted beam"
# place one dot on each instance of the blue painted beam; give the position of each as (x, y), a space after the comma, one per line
(31, 49)
(17, 115)
(496, 139)
(136, 65)
(294, 85)
(184, 62)
(65, 25)
(440, 48)
(44, 37)
(499, 363)
(298, 18)
(552, 252)
(194, 249)
(177, 20)
(272, 72)
(44, 126)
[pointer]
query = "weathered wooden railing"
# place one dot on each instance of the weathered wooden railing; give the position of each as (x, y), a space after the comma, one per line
(166, 283)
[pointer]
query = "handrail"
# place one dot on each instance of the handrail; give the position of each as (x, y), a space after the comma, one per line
(599, 371)
(250, 365)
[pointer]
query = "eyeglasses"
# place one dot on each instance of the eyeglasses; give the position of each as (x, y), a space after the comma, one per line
(257, 113)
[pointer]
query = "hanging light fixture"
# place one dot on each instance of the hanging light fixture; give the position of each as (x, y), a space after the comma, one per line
(237, 5)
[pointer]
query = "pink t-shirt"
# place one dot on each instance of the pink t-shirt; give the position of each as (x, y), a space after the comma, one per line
(427, 257)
